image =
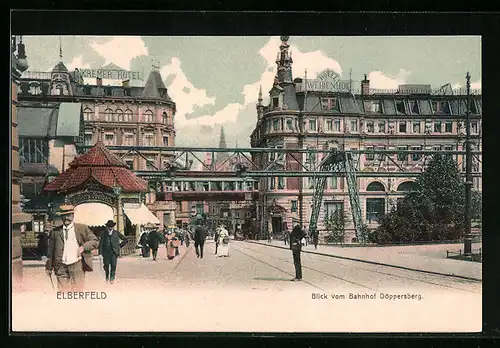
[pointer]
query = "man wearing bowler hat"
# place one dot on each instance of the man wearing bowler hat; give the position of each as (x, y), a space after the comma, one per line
(70, 251)
(109, 249)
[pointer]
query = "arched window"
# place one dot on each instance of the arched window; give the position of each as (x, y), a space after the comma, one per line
(407, 186)
(59, 90)
(119, 115)
(108, 115)
(128, 115)
(164, 118)
(148, 116)
(375, 186)
(87, 114)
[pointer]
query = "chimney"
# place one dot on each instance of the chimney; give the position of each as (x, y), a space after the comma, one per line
(99, 81)
(365, 86)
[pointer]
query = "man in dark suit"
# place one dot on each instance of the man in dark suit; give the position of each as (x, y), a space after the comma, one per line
(200, 234)
(155, 238)
(296, 246)
(109, 249)
(69, 252)
(216, 240)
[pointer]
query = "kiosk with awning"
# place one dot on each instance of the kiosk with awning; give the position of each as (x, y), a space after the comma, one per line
(99, 184)
(139, 215)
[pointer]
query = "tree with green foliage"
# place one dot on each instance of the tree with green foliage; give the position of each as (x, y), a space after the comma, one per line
(335, 225)
(433, 211)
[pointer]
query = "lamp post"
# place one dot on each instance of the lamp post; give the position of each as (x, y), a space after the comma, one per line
(117, 190)
(468, 175)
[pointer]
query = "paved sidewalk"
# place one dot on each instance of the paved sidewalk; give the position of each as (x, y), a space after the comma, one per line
(424, 258)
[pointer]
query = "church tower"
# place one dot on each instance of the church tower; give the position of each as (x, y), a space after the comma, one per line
(222, 156)
(60, 83)
(284, 62)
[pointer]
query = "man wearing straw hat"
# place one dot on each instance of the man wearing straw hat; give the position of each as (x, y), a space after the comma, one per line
(69, 252)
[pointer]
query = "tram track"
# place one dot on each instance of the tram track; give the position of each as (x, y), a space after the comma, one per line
(305, 267)
(318, 258)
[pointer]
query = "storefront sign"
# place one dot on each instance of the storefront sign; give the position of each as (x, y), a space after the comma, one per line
(91, 196)
(36, 75)
(111, 74)
(327, 81)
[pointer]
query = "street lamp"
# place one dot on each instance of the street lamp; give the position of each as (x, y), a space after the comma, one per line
(468, 176)
(117, 190)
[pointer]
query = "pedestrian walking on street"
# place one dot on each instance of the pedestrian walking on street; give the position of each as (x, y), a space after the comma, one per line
(187, 238)
(200, 234)
(155, 238)
(109, 248)
(296, 246)
(316, 239)
(171, 244)
(223, 241)
(70, 251)
(216, 239)
(144, 243)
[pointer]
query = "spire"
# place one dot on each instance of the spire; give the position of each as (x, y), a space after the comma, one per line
(260, 95)
(284, 62)
(60, 49)
(222, 140)
(155, 88)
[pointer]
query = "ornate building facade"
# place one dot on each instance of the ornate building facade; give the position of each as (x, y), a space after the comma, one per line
(18, 65)
(117, 116)
(326, 113)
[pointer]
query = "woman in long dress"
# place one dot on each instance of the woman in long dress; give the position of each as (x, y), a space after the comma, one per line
(223, 249)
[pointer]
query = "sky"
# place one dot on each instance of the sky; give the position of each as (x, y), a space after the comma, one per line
(215, 81)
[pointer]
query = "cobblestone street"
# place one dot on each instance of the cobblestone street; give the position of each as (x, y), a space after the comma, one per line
(251, 291)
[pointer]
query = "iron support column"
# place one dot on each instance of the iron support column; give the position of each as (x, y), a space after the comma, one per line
(468, 176)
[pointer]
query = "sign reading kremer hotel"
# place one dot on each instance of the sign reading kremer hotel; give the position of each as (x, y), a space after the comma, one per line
(111, 74)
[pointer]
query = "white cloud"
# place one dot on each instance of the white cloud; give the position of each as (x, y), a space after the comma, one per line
(379, 80)
(228, 114)
(473, 86)
(121, 50)
(77, 63)
(182, 91)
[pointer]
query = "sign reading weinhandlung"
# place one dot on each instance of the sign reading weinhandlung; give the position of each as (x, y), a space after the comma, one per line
(111, 74)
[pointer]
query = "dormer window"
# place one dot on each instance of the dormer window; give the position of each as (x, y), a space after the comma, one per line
(329, 104)
(375, 106)
(414, 107)
(400, 107)
(59, 90)
(441, 107)
(275, 102)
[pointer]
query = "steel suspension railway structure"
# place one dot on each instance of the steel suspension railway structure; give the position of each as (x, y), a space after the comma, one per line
(333, 163)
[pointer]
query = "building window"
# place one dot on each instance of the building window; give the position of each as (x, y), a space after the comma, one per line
(149, 139)
(165, 140)
(164, 118)
(108, 115)
(59, 90)
(416, 156)
(381, 127)
(448, 148)
(275, 102)
(128, 139)
(87, 114)
(329, 104)
(332, 207)
(416, 127)
(448, 127)
(289, 124)
(276, 125)
(402, 127)
(403, 157)
(324, 103)
(329, 125)
(312, 125)
(293, 206)
(414, 107)
(119, 115)
(354, 125)
(281, 183)
(375, 208)
(128, 116)
(33, 150)
(334, 182)
(109, 139)
(272, 183)
(148, 116)
(375, 106)
(336, 125)
(473, 127)
(381, 156)
(400, 107)
(88, 139)
(437, 126)
(441, 107)
(369, 156)
(38, 223)
(370, 128)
